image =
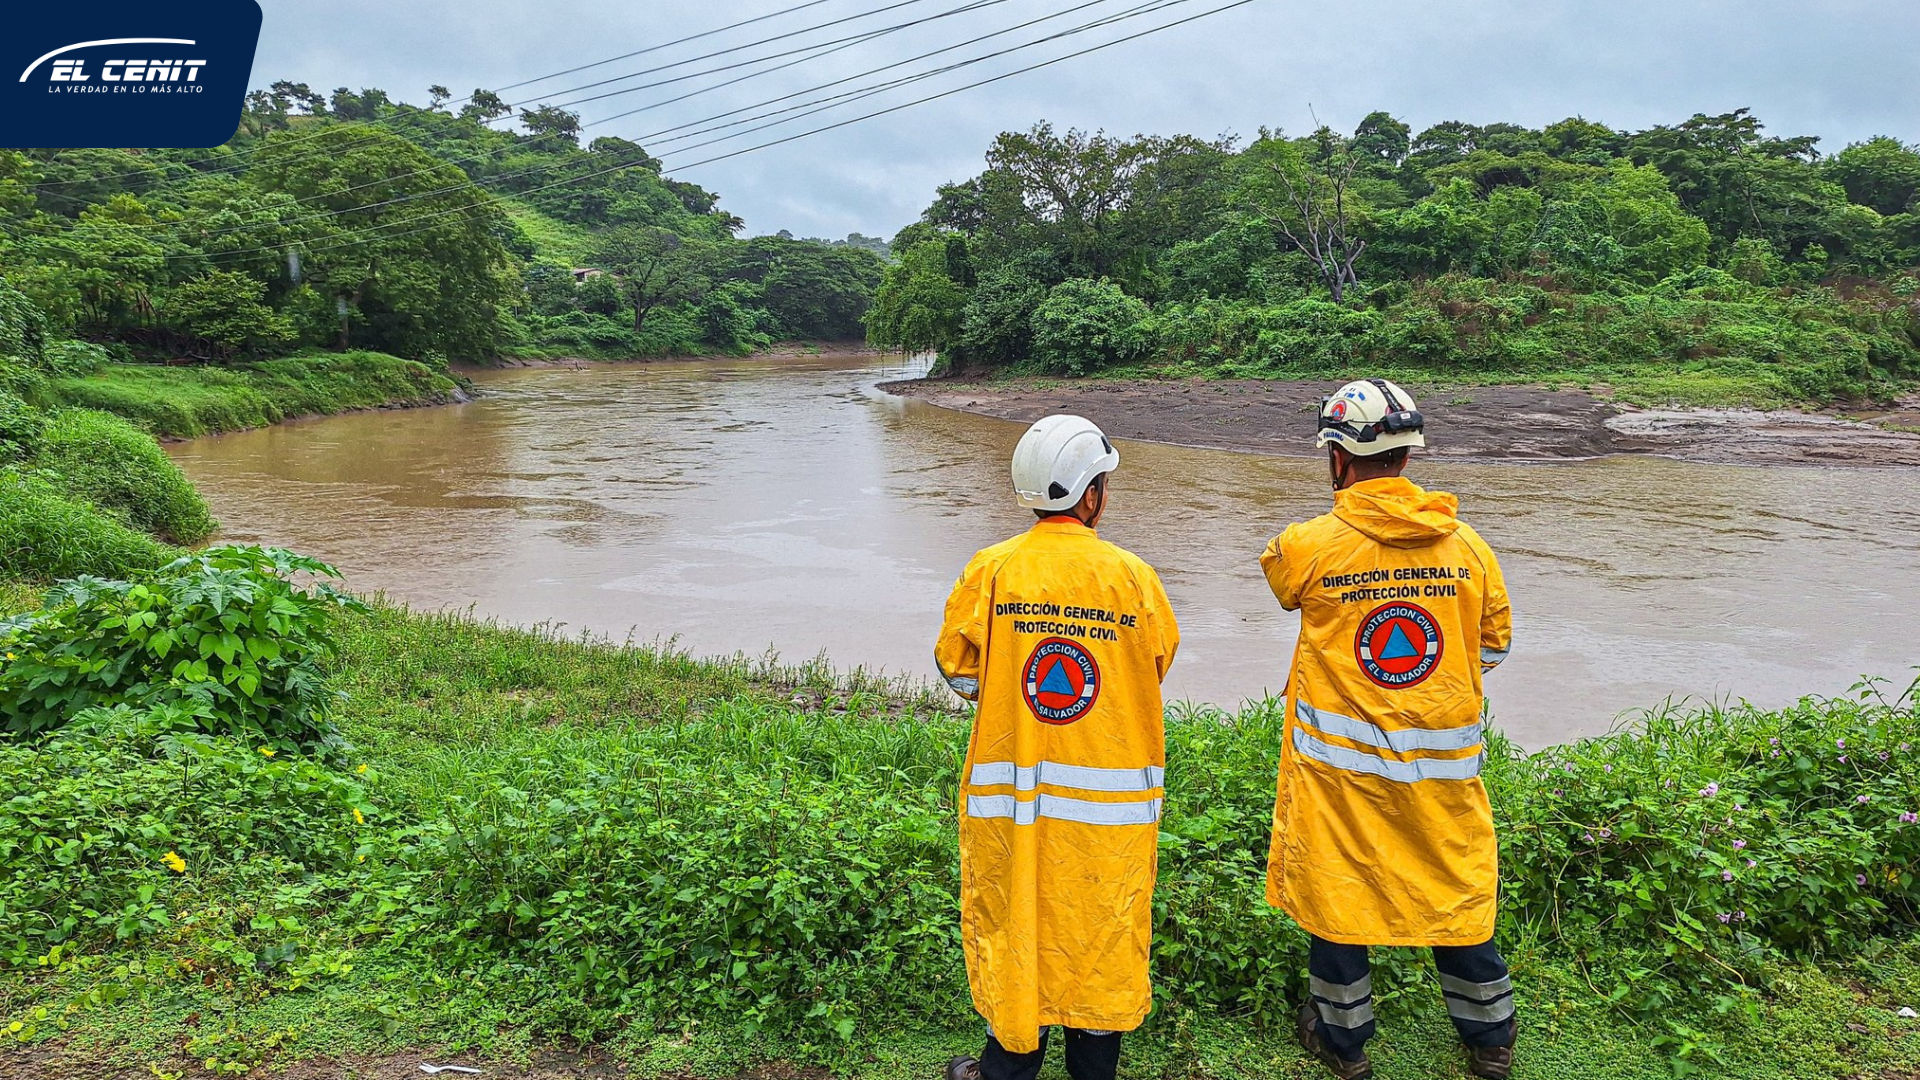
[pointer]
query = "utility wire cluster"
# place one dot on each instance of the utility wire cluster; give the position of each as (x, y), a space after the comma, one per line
(734, 125)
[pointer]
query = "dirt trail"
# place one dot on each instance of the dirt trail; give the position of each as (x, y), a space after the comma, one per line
(1481, 422)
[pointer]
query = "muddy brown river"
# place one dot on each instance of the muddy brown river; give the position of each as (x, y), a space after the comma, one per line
(741, 506)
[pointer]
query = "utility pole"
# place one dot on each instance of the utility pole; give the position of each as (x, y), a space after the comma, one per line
(340, 305)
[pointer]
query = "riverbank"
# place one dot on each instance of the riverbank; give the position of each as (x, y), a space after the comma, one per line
(784, 350)
(190, 401)
(1464, 422)
(525, 844)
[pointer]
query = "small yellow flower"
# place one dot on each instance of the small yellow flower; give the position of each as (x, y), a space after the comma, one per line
(363, 858)
(10, 656)
(361, 770)
(358, 818)
(268, 751)
(174, 862)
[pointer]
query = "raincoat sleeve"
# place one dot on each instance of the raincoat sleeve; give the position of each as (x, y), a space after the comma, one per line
(1496, 613)
(1277, 563)
(961, 649)
(1164, 629)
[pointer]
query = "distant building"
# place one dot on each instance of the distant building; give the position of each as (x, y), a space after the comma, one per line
(582, 273)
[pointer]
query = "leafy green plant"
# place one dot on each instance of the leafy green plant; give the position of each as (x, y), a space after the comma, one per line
(227, 633)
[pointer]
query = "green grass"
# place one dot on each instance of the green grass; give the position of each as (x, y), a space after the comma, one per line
(525, 793)
(183, 402)
(551, 237)
(105, 460)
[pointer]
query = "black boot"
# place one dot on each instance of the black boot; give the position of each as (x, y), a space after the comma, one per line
(1308, 1032)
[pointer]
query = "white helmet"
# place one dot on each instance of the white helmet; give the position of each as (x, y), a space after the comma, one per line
(1370, 416)
(1057, 458)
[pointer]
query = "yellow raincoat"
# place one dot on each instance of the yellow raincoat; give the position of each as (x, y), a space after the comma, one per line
(1063, 640)
(1382, 834)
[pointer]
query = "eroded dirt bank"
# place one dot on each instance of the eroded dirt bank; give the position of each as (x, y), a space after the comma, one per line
(1483, 422)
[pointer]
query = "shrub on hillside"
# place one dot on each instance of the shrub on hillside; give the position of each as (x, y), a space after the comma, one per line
(114, 465)
(46, 533)
(226, 633)
(1083, 326)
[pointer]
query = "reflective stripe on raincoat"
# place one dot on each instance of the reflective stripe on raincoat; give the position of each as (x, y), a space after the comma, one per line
(1063, 640)
(1382, 834)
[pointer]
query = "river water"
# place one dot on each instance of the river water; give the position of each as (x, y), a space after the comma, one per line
(741, 506)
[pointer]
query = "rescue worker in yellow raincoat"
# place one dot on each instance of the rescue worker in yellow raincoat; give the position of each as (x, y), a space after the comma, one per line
(1063, 639)
(1382, 834)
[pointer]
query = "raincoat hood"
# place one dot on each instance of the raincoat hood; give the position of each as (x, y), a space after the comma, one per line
(1398, 512)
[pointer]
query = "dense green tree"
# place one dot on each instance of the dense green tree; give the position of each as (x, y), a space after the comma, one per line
(409, 242)
(1882, 173)
(918, 305)
(222, 310)
(1084, 325)
(654, 267)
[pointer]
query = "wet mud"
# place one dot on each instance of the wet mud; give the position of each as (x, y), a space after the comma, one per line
(1485, 423)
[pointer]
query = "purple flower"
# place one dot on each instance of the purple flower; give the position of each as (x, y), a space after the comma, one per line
(1904, 747)
(1609, 768)
(1589, 838)
(1568, 766)
(1739, 807)
(1558, 792)
(1740, 916)
(1776, 753)
(1726, 875)
(1775, 741)
(1839, 744)
(1843, 758)
(1863, 798)
(1860, 880)
(1883, 755)
(1711, 789)
(1739, 845)
(1751, 864)
(1606, 834)
(1726, 916)
(1909, 818)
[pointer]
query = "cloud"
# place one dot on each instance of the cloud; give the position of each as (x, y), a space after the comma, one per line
(1840, 69)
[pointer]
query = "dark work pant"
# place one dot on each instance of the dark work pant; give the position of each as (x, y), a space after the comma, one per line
(1089, 1057)
(1473, 978)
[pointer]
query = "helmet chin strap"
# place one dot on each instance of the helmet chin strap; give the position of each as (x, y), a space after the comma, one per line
(1342, 465)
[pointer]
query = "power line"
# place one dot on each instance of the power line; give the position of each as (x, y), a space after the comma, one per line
(836, 100)
(1152, 7)
(850, 41)
(549, 167)
(367, 234)
(664, 45)
(228, 166)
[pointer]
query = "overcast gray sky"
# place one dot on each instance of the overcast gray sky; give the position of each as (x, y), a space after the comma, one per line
(1841, 69)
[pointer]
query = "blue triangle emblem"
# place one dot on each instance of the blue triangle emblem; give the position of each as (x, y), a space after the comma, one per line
(1398, 647)
(1057, 682)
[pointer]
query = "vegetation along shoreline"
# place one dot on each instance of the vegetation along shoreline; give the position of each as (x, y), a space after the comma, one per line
(254, 824)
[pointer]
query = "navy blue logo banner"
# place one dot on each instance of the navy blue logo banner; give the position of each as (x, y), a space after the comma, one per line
(126, 72)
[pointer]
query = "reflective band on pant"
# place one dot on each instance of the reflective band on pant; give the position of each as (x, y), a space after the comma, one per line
(965, 686)
(1488, 1002)
(1026, 778)
(1462, 1009)
(1060, 808)
(1339, 994)
(1486, 991)
(1402, 741)
(1405, 772)
(1492, 657)
(1335, 1016)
